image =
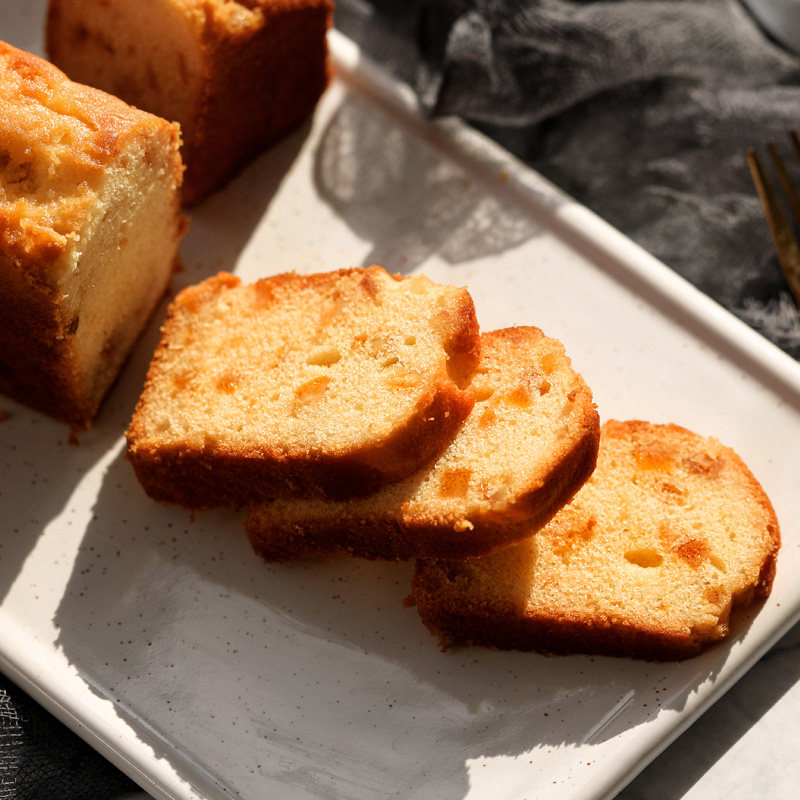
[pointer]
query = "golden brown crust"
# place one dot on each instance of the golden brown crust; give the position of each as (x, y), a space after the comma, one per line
(52, 127)
(285, 61)
(88, 115)
(389, 526)
(196, 478)
(223, 472)
(34, 343)
(555, 635)
(254, 73)
(582, 586)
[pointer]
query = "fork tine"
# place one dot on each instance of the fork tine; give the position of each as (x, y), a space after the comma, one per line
(785, 181)
(786, 244)
(795, 140)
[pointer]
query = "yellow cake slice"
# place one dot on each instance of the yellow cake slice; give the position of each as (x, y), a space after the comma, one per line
(329, 384)
(668, 535)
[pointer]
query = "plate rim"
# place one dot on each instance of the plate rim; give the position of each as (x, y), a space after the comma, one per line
(120, 737)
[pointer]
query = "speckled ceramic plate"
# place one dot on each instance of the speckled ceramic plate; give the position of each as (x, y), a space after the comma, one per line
(203, 673)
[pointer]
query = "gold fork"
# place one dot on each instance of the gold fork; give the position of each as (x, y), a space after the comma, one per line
(786, 243)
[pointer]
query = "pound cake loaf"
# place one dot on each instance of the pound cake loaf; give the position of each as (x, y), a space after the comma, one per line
(670, 532)
(238, 75)
(529, 443)
(89, 230)
(329, 384)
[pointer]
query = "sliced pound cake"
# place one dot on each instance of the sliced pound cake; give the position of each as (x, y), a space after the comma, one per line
(670, 532)
(528, 445)
(89, 230)
(237, 76)
(329, 384)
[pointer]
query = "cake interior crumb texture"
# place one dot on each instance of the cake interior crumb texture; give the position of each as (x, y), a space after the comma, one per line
(527, 446)
(668, 535)
(89, 231)
(237, 76)
(293, 374)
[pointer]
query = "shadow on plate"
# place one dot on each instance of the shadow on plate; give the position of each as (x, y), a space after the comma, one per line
(32, 491)
(221, 226)
(313, 674)
(40, 467)
(396, 191)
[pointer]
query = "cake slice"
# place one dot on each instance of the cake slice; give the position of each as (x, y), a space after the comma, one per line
(528, 445)
(667, 536)
(89, 230)
(238, 75)
(329, 384)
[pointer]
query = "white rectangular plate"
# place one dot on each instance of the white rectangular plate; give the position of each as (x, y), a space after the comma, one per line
(203, 673)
